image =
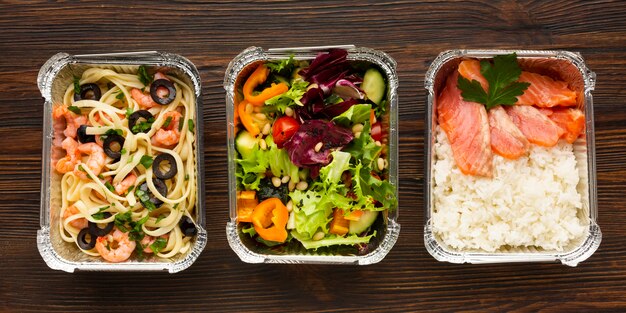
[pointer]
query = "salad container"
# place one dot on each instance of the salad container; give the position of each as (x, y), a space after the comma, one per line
(54, 76)
(387, 232)
(568, 66)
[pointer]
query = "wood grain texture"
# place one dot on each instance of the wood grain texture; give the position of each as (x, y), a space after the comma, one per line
(210, 34)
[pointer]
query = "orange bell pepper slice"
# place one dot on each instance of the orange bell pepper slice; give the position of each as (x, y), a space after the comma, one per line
(339, 225)
(246, 202)
(354, 215)
(270, 219)
(256, 78)
(246, 119)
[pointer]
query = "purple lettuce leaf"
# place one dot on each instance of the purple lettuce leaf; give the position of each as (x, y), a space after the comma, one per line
(348, 90)
(324, 61)
(301, 146)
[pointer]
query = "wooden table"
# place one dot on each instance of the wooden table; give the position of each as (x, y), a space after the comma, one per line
(210, 35)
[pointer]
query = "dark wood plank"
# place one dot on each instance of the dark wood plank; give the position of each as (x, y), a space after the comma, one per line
(210, 34)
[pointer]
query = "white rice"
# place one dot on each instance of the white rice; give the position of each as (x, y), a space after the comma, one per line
(531, 201)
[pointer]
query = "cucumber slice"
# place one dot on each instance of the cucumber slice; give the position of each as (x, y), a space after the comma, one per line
(366, 220)
(246, 144)
(374, 85)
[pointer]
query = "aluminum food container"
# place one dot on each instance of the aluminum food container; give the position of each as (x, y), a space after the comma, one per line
(568, 66)
(387, 232)
(54, 77)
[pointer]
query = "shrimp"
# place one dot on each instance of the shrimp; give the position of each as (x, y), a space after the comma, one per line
(79, 223)
(148, 240)
(115, 247)
(145, 100)
(95, 161)
(73, 121)
(72, 157)
(122, 186)
(57, 142)
(168, 136)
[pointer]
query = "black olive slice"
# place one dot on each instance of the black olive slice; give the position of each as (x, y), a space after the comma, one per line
(187, 226)
(82, 135)
(107, 146)
(85, 89)
(95, 230)
(157, 163)
(171, 91)
(82, 239)
(161, 188)
(133, 118)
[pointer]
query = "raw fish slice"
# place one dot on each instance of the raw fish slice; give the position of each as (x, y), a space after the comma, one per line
(545, 92)
(506, 139)
(570, 121)
(538, 128)
(470, 69)
(466, 125)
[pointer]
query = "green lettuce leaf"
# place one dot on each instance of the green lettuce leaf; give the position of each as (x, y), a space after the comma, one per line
(331, 240)
(364, 148)
(279, 162)
(331, 173)
(357, 113)
(290, 98)
(308, 225)
(367, 186)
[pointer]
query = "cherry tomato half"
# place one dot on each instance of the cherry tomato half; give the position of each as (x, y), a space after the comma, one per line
(283, 129)
(377, 131)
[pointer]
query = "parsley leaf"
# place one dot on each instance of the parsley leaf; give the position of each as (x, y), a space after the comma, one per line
(74, 109)
(129, 111)
(158, 245)
(123, 151)
(100, 214)
(144, 77)
(77, 88)
(146, 161)
(109, 186)
(159, 218)
(167, 122)
(144, 198)
(502, 77)
(190, 122)
(143, 126)
(120, 95)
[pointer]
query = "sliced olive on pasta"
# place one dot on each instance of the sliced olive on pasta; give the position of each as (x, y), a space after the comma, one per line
(162, 160)
(147, 195)
(113, 151)
(134, 118)
(187, 226)
(82, 239)
(88, 92)
(95, 230)
(157, 91)
(82, 135)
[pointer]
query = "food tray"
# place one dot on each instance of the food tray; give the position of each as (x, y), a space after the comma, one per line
(568, 66)
(54, 76)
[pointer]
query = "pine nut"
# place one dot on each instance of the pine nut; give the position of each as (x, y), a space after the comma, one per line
(318, 146)
(262, 144)
(311, 86)
(261, 116)
(292, 185)
(318, 236)
(357, 128)
(266, 129)
(381, 164)
(285, 179)
(276, 181)
(357, 134)
(302, 185)
(289, 111)
(378, 143)
(249, 108)
(386, 163)
(289, 206)
(291, 222)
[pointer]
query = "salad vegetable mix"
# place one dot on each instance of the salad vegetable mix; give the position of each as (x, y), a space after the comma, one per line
(312, 164)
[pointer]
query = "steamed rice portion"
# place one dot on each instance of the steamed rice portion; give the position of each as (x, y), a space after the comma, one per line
(531, 201)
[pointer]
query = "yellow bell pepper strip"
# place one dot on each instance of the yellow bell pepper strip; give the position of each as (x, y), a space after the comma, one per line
(339, 225)
(246, 119)
(256, 78)
(270, 219)
(246, 202)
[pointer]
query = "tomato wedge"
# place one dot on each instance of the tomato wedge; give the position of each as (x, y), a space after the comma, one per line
(283, 129)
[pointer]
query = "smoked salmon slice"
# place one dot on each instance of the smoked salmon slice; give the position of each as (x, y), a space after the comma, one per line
(466, 126)
(536, 126)
(570, 121)
(545, 92)
(506, 139)
(470, 69)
